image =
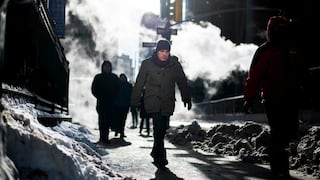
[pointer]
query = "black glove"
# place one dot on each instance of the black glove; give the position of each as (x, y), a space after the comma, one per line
(187, 101)
(247, 106)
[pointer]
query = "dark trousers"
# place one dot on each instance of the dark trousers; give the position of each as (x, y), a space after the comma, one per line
(147, 122)
(104, 121)
(160, 126)
(134, 115)
(120, 118)
(282, 114)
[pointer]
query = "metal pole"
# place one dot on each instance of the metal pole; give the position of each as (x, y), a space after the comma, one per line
(248, 32)
(3, 13)
(164, 9)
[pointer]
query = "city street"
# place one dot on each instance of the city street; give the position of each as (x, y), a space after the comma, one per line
(131, 158)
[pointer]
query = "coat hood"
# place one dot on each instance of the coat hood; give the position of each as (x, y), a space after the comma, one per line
(106, 62)
(277, 29)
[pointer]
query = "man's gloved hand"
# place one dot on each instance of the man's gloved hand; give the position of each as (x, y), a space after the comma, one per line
(247, 106)
(187, 101)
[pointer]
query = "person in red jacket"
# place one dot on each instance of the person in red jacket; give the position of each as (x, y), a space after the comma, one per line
(273, 76)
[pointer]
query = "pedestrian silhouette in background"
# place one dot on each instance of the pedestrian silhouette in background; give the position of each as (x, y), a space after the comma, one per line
(105, 87)
(144, 116)
(274, 76)
(134, 115)
(122, 105)
(158, 75)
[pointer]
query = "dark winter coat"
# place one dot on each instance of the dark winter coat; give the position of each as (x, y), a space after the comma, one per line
(143, 113)
(105, 87)
(159, 83)
(274, 72)
(124, 95)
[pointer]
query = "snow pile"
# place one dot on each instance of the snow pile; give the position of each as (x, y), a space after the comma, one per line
(249, 142)
(7, 168)
(65, 151)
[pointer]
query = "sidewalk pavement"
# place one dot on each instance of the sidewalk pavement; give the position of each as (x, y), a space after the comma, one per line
(131, 157)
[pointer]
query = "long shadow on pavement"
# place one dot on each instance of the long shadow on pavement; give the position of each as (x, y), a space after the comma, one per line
(213, 166)
(220, 167)
(117, 142)
(165, 174)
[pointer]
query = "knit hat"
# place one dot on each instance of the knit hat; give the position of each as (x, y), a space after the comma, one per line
(163, 45)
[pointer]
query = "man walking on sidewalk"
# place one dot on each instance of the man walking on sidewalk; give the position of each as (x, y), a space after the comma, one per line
(158, 75)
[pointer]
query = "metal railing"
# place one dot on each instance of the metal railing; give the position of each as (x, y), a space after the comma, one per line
(229, 109)
(40, 103)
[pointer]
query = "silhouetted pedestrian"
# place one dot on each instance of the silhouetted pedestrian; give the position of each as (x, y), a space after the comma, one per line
(104, 87)
(144, 116)
(274, 76)
(134, 115)
(122, 105)
(158, 75)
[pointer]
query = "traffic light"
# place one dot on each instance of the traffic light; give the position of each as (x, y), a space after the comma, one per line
(175, 11)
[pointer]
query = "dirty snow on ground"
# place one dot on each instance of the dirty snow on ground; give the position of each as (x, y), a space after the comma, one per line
(249, 142)
(65, 151)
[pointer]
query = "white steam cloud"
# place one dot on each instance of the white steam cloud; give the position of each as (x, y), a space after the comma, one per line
(117, 30)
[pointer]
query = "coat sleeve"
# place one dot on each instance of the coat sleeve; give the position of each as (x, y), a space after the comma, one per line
(182, 83)
(139, 84)
(256, 74)
(93, 87)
